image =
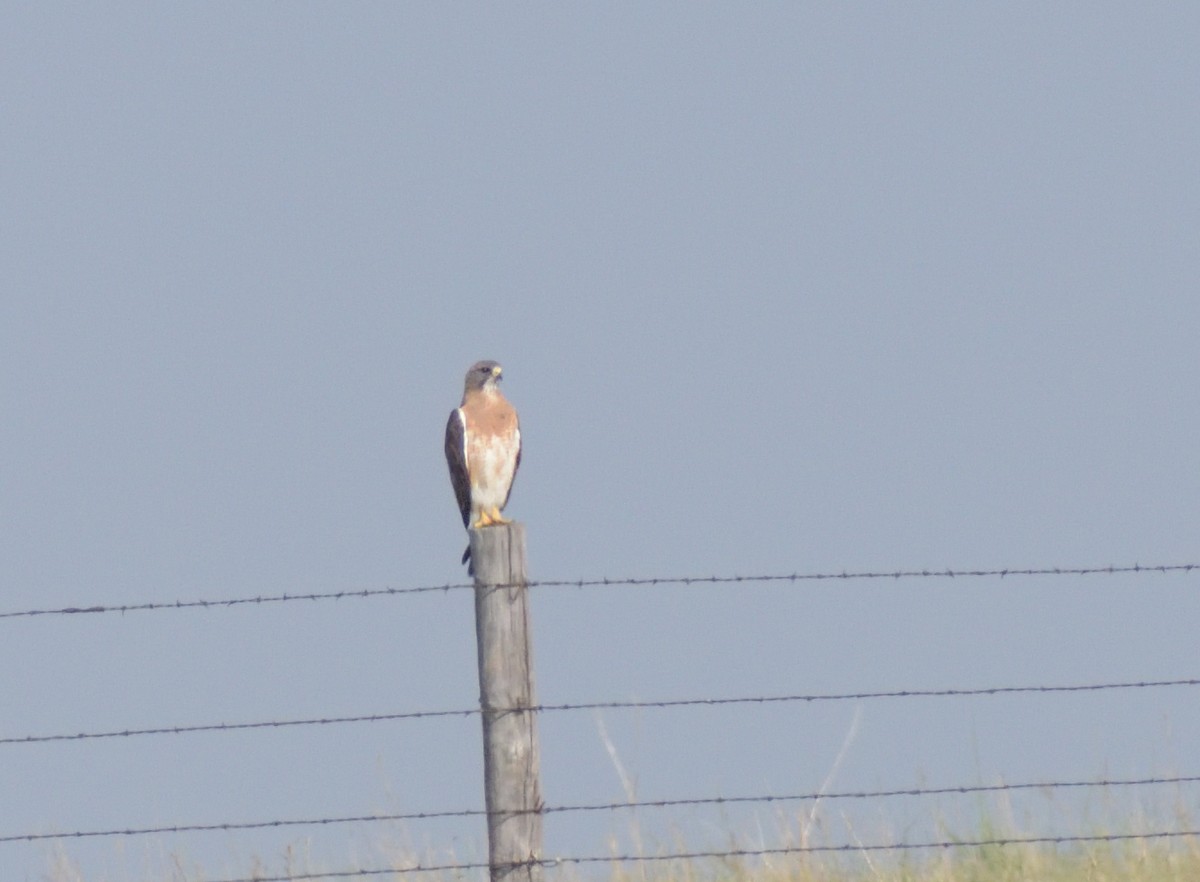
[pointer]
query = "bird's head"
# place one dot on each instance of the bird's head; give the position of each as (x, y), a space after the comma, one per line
(484, 376)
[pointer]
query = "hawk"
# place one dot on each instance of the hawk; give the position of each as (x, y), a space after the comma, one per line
(483, 449)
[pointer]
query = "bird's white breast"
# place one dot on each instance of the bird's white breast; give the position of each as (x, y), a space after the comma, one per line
(493, 462)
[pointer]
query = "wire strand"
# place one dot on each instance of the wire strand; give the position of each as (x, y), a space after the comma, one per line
(603, 705)
(960, 790)
(874, 574)
(895, 575)
(232, 727)
(261, 599)
(860, 696)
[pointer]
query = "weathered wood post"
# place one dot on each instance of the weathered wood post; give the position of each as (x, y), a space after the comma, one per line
(512, 787)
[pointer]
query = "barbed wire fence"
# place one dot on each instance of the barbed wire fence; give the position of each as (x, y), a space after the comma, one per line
(761, 799)
(365, 593)
(601, 705)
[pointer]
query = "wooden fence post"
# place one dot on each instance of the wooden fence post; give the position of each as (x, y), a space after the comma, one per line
(512, 787)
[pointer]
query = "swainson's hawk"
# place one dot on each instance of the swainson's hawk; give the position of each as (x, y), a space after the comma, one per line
(483, 449)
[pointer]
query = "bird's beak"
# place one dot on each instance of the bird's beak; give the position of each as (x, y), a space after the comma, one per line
(496, 372)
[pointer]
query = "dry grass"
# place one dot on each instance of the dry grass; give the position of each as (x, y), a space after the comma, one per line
(1127, 860)
(1108, 812)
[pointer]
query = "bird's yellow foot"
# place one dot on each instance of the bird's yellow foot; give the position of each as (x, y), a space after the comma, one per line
(495, 517)
(485, 520)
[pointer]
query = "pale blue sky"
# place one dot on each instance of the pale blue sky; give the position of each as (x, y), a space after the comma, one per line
(782, 288)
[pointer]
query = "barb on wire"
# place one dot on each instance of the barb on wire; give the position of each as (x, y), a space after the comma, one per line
(605, 705)
(960, 790)
(849, 575)
(737, 853)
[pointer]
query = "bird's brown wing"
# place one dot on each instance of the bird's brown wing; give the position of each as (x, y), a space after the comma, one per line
(456, 459)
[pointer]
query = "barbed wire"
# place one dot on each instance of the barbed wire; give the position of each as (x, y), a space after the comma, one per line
(603, 705)
(875, 574)
(268, 599)
(263, 599)
(607, 705)
(959, 790)
(860, 696)
(737, 853)
(231, 727)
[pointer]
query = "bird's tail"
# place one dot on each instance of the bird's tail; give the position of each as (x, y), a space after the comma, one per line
(466, 558)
